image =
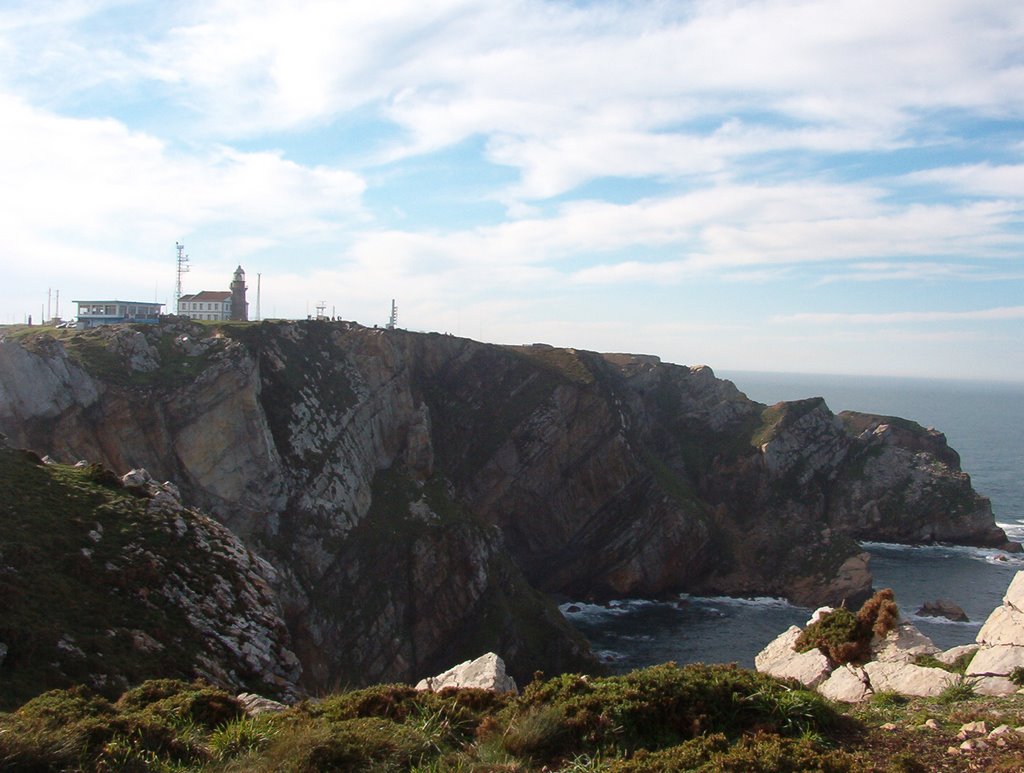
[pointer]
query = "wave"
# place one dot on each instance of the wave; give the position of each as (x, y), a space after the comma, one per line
(989, 555)
(708, 605)
(612, 608)
(737, 601)
(939, 620)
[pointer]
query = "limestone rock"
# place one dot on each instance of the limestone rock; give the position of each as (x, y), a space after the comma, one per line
(819, 613)
(487, 672)
(972, 728)
(1014, 596)
(254, 704)
(848, 684)
(780, 659)
(993, 685)
(907, 679)
(998, 660)
(950, 656)
(902, 644)
(1004, 626)
(943, 608)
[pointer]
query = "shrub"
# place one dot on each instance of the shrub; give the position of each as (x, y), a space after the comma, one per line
(846, 638)
(57, 731)
(180, 704)
(58, 708)
(538, 733)
(961, 689)
(658, 707)
(837, 635)
(354, 744)
(151, 691)
(759, 753)
(879, 614)
(1017, 676)
(242, 736)
(448, 717)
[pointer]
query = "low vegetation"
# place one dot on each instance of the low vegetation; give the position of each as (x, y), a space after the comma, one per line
(845, 637)
(664, 718)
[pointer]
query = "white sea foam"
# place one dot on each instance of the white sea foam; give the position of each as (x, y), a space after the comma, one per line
(940, 621)
(756, 601)
(941, 551)
(613, 608)
(609, 656)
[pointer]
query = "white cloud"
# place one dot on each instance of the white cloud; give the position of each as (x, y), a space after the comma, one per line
(1001, 314)
(91, 202)
(985, 179)
(566, 94)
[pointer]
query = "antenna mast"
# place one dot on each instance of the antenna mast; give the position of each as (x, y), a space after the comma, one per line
(394, 316)
(258, 277)
(182, 269)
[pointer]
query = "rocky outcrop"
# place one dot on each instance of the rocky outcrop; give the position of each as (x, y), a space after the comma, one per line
(414, 490)
(943, 608)
(890, 668)
(910, 488)
(107, 583)
(487, 672)
(1001, 644)
(995, 667)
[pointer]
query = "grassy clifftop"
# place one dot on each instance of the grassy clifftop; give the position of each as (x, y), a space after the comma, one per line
(664, 718)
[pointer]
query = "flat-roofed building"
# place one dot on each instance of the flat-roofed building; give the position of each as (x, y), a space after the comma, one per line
(94, 313)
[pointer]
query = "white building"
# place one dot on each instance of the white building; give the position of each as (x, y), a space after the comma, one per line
(218, 304)
(93, 313)
(208, 305)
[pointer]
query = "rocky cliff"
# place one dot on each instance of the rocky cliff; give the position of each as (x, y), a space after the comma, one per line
(412, 490)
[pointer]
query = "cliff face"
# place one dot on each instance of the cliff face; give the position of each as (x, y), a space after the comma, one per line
(413, 489)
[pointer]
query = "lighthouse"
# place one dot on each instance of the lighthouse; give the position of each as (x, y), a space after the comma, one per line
(239, 306)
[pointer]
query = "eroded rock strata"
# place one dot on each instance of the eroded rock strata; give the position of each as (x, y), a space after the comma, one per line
(413, 490)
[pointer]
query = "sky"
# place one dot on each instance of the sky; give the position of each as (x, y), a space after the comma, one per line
(833, 186)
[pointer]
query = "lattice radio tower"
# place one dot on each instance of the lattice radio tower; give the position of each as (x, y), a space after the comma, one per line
(393, 321)
(182, 269)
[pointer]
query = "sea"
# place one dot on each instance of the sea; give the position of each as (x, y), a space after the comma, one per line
(983, 421)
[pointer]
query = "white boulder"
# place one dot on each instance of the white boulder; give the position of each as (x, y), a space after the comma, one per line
(849, 684)
(487, 672)
(903, 644)
(254, 704)
(950, 656)
(999, 660)
(1004, 626)
(780, 659)
(907, 679)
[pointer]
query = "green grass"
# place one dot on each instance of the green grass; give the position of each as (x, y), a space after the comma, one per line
(664, 718)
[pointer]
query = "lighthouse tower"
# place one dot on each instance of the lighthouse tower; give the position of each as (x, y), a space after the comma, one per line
(239, 306)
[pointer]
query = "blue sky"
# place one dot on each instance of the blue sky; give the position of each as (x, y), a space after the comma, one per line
(833, 186)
